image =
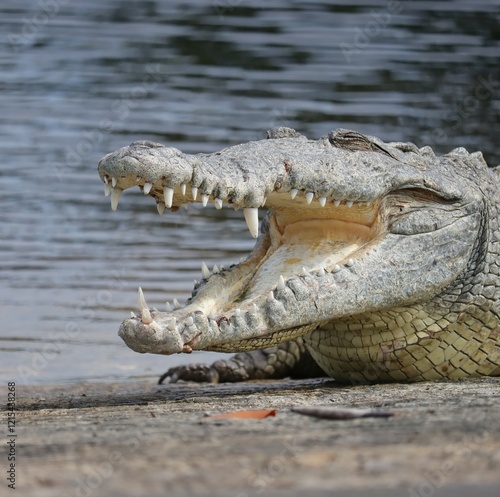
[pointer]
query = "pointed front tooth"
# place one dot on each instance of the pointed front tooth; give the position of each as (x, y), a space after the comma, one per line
(349, 203)
(270, 296)
(336, 203)
(321, 272)
(281, 283)
(218, 203)
(204, 199)
(252, 218)
(336, 268)
(206, 273)
(168, 307)
(147, 187)
(105, 179)
(349, 263)
(116, 193)
(113, 182)
(293, 193)
(107, 190)
(322, 201)
(177, 304)
(189, 321)
(132, 315)
(171, 325)
(168, 195)
(146, 316)
(141, 300)
(161, 208)
(304, 272)
(309, 197)
(194, 192)
(216, 269)
(183, 188)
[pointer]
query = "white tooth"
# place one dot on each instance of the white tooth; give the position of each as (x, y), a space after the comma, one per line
(146, 316)
(281, 283)
(132, 315)
(196, 283)
(242, 259)
(336, 203)
(177, 305)
(216, 269)
(264, 201)
(204, 199)
(107, 190)
(183, 188)
(205, 271)
(321, 272)
(142, 300)
(218, 203)
(113, 182)
(336, 269)
(349, 203)
(161, 208)
(137, 179)
(194, 191)
(304, 272)
(189, 321)
(168, 307)
(322, 201)
(171, 325)
(147, 187)
(349, 263)
(252, 218)
(212, 315)
(116, 193)
(237, 312)
(168, 194)
(293, 193)
(105, 179)
(368, 203)
(270, 297)
(309, 197)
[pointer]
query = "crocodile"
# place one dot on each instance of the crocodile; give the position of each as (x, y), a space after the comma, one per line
(374, 262)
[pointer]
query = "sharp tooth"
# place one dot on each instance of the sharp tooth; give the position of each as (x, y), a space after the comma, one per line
(132, 315)
(113, 182)
(242, 259)
(349, 203)
(116, 193)
(171, 325)
(107, 190)
(218, 203)
(196, 283)
(281, 283)
(189, 321)
(194, 191)
(336, 269)
(168, 195)
(349, 263)
(293, 193)
(168, 307)
(161, 208)
(216, 269)
(304, 272)
(142, 300)
(270, 297)
(177, 304)
(147, 187)
(183, 188)
(205, 271)
(146, 316)
(252, 218)
(309, 197)
(321, 272)
(137, 179)
(105, 179)
(322, 201)
(237, 312)
(204, 199)
(336, 203)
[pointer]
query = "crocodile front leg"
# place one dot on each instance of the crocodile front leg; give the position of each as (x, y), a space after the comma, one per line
(288, 359)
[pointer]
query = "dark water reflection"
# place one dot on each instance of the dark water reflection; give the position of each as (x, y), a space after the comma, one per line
(82, 78)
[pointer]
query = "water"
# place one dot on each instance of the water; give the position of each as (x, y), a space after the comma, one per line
(82, 78)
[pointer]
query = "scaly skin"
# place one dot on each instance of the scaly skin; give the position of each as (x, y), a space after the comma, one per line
(381, 258)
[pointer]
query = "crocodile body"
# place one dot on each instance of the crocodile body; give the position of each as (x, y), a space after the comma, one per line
(378, 260)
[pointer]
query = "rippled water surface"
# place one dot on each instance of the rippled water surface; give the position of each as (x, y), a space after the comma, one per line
(80, 78)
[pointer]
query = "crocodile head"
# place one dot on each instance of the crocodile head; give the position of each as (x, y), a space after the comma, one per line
(353, 225)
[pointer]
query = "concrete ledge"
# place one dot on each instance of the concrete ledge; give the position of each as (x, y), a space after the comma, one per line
(133, 439)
